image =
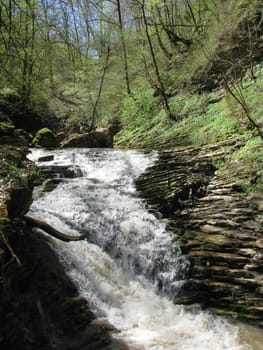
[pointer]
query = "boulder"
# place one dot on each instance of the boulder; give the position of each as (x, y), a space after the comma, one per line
(46, 158)
(45, 138)
(98, 138)
(103, 137)
(77, 140)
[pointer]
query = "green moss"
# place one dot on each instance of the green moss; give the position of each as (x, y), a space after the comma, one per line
(44, 138)
(3, 220)
(6, 128)
(40, 134)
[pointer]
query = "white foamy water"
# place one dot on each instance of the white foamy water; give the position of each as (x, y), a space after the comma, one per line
(128, 268)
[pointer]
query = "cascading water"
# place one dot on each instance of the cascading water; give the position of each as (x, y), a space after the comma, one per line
(128, 256)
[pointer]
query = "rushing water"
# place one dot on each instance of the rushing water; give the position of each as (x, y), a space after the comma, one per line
(128, 266)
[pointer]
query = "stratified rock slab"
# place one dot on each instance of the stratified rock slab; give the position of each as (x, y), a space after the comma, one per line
(216, 225)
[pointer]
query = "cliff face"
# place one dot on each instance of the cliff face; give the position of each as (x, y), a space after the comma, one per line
(218, 227)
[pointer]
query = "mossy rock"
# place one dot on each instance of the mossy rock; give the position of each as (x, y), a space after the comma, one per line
(45, 138)
(6, 128)
(50, 185)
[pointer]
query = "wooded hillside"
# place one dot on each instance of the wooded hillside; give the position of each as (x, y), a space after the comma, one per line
(79, 59)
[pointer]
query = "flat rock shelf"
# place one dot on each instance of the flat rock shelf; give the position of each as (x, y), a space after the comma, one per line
(218, 227)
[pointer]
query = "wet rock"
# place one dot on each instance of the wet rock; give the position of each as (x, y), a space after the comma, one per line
(216, 226)
(72, 172)
(50, 185)
(20, 199)
(98, 138)
(46, 158)
(59, 171)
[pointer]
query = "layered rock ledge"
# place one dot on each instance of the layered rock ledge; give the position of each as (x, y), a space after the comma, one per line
(217, 226)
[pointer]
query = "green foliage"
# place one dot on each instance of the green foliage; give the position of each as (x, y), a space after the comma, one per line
(213, 126)
(224, 47)
(6, 128)
(9, 100)
(3, 220)
(13, 169)
(250, 152)
(253, 93)
(139, 108)
(52, 64)
(186, 105)
(199, 122)
(202, 118)
(247, 163)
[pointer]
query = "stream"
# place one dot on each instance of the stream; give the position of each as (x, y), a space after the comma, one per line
(128, 267)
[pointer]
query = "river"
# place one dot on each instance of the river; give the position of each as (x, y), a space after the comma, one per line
(128, 267)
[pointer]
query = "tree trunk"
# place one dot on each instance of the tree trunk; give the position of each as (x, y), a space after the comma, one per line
(94, 110)
(158, 76)
(237, 94)
(125, 56)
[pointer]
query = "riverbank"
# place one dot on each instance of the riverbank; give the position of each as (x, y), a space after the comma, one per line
(218, 226)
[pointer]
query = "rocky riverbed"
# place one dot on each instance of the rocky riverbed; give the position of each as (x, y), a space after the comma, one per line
(217, 225)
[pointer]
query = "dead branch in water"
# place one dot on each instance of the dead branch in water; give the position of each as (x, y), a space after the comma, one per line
(51, 230)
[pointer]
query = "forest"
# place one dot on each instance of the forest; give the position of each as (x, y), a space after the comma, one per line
(92, 61)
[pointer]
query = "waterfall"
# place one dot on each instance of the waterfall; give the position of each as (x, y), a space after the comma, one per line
(128, 267)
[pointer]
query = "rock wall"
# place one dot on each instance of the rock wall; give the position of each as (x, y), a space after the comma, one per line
(217, 226)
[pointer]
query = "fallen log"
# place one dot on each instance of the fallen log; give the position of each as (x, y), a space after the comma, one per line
(51, 230)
